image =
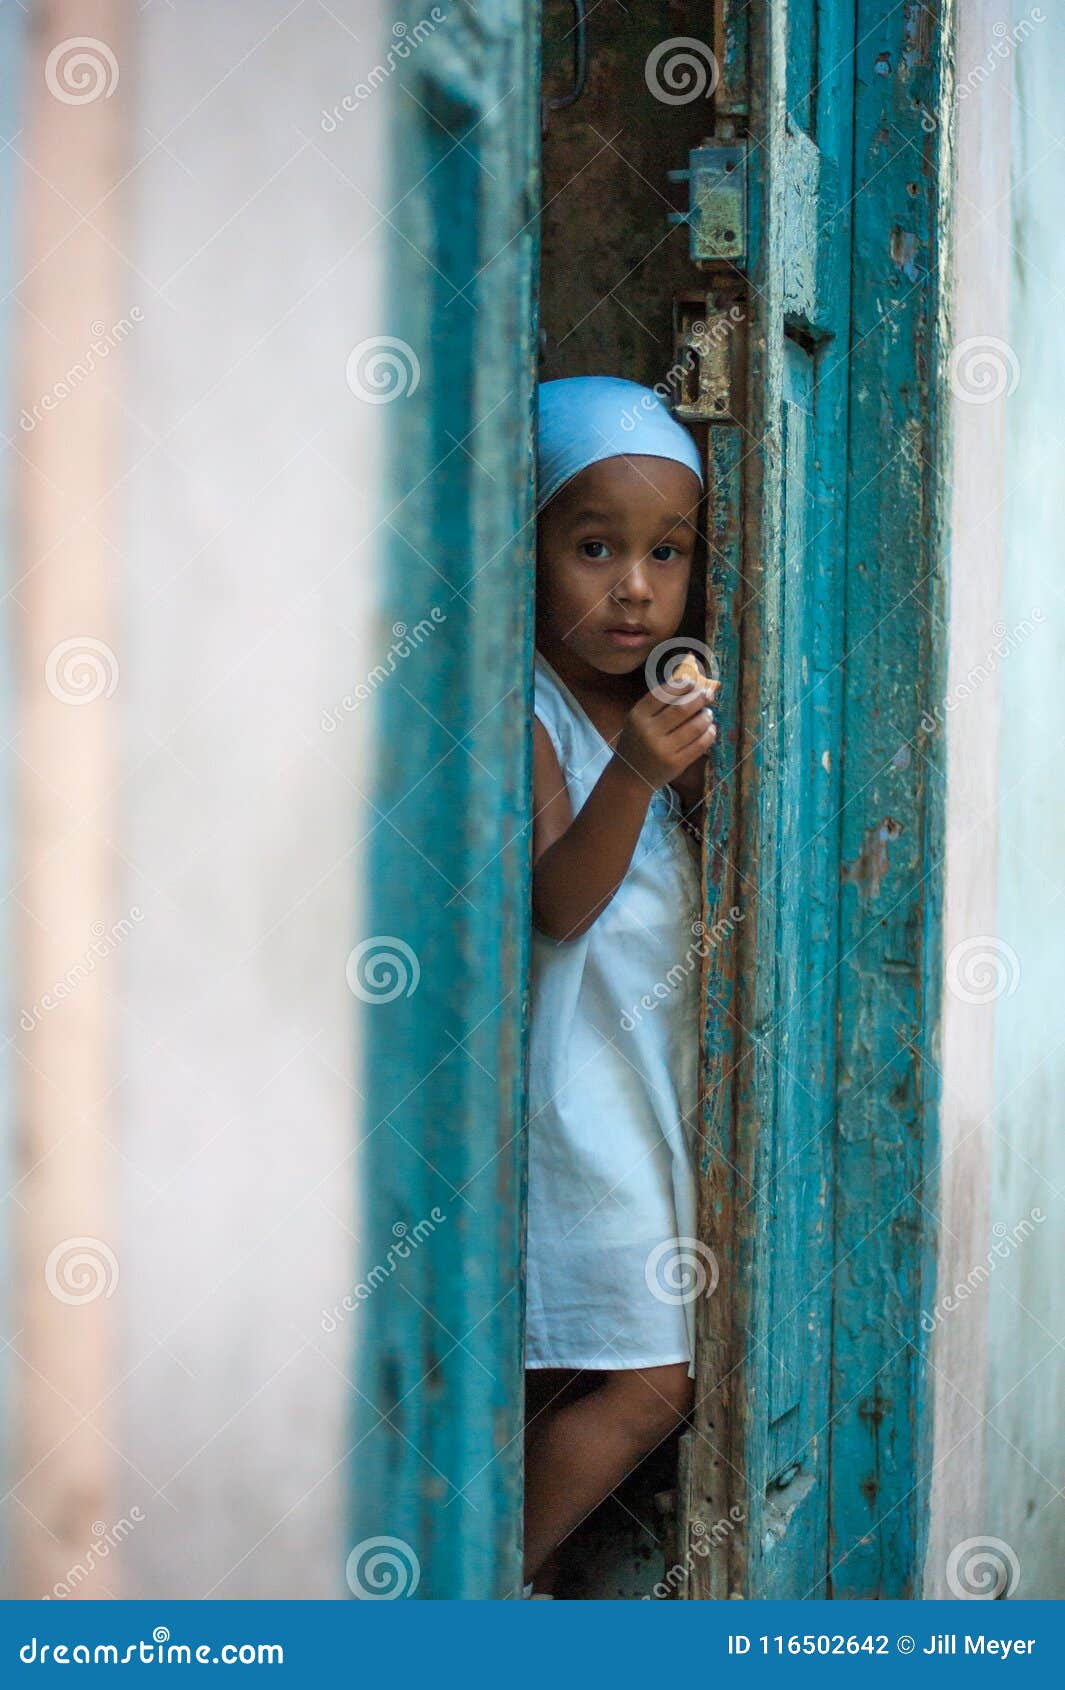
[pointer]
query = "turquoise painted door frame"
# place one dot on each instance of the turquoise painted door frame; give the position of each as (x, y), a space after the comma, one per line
(757, 1455)
(808, 1452)
(890, 962)
(437, 1362)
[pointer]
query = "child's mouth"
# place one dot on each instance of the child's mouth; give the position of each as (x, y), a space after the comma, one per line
(627, 638)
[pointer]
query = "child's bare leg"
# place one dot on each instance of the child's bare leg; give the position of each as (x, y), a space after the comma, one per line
(582, 1452)
(547, 1389)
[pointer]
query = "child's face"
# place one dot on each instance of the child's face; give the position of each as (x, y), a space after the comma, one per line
(614, 557)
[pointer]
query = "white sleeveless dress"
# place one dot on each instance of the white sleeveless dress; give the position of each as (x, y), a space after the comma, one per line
(613, 1093)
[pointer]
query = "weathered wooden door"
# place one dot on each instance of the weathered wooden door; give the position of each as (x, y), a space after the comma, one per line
(436, 1315)
(779, 471)
(815, 97)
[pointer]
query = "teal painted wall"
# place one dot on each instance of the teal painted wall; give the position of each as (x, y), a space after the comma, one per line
(1026, 1359)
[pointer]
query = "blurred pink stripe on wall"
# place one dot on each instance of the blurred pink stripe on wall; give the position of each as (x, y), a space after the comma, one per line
(74, 286)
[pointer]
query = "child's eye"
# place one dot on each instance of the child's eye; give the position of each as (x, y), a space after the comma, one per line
(596, 550)
(665, 548)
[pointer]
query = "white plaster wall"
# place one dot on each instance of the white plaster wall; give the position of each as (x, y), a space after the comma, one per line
(247, 608)
(1026, 1367)
(969, 718)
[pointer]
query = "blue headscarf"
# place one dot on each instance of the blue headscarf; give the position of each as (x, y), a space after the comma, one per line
(584, 419)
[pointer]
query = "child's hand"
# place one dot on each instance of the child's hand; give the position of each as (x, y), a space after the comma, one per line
(660, 740)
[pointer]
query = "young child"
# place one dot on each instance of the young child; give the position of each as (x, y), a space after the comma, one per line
(613, 1084)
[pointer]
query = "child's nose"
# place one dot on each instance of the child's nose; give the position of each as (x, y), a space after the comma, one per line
(635, 587)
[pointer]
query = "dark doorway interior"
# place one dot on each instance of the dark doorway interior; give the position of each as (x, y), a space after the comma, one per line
(612, 270)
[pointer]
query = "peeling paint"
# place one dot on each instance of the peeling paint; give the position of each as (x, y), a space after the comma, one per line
(904, 249)
(868, 872)
(920, 34)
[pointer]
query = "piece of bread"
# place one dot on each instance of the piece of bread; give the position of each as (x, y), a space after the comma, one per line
(689, 671)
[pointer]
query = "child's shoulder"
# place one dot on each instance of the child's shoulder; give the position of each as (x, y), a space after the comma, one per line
(555, 708)
(548, 696)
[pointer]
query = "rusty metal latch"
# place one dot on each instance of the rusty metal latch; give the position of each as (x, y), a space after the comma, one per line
(708, 346)
(717, 203)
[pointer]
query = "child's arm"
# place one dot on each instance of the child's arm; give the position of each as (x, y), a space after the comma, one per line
(580, 861)
(692, 794)
(690, 786)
